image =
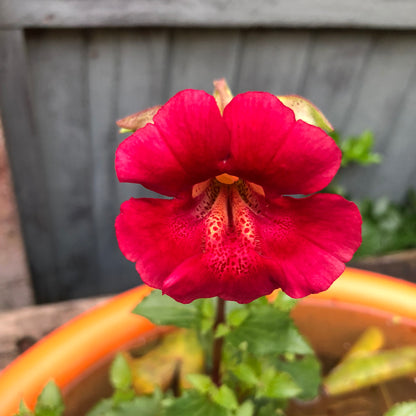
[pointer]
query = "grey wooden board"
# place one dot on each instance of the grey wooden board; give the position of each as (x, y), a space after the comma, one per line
(199, 57)
(103, 75)
(399, 166)
(59, 80)
(142, 83)
(126, 73)
(378, 105)
(242, 13)
(333, 70)
(23, 145)
(274, 61)
(83, 80)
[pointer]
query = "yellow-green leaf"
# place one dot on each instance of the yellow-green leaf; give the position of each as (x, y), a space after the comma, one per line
(356, 373)
(306, 111)
(137, 120)
(222, 93)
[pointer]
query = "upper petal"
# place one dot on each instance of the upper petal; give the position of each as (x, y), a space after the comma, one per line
(270, 148)
(258, 123)
(187, 144)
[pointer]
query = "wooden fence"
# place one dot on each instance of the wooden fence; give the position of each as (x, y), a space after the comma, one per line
(69, 69)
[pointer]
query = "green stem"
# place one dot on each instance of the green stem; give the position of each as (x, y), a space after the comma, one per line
(218, 343)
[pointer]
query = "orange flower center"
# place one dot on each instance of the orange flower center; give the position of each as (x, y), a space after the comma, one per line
(226, 179)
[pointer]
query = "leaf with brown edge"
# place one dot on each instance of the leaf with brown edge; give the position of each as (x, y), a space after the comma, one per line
(138, 120)
(178, 355)
(306, 111)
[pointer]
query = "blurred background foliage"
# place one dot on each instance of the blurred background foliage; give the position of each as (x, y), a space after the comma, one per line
(388, 226)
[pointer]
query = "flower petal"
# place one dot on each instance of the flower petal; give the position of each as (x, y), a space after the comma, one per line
(258, 124)
(270, 148)
(309, 240)
(230, 264)
(195, 279)
(157, 235)
(187, 144)
(305, 163)
(189, 249)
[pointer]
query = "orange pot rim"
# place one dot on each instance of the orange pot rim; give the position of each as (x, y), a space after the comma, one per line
(105, 329)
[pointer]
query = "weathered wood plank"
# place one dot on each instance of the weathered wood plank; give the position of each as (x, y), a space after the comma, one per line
(142, 73)
(378, 105)
(332, 72)
(21, 328)
(126, 74)
(15, 286)
(401, 264)
(59, 82)
(103, 82)
(23, 144)
(397, 173)
(400, 14)
(274, 61)
(199, 57)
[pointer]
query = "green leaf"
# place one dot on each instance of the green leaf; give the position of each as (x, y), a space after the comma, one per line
(387, 226)
(357, 149)
(221, 330)
(163, 310)
(50, 401)
(102, 408)
(201, 382)
(195, 404)
(402, 409)
(246, 374)
(268, 330)
(237, 316)
(277, 385)
(206, 314)
(123, 130)
(23, 410)
(225, 397)
(143, 406)
(270, 409)
(306, 372)
(284, 302)
(120, 374)
(246, 409)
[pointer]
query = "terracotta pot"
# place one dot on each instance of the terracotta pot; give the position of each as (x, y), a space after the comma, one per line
(80, 349)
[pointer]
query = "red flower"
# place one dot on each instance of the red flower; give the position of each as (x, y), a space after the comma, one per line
(229, 231)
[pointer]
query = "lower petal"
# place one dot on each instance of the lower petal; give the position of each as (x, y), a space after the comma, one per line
(309, 240)
(158, 235)
(195, 279)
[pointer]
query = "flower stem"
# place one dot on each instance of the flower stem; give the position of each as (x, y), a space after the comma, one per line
(218, 343)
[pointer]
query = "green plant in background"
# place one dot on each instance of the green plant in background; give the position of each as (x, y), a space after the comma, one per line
(387, 226)
(49, 403)
(357, 149)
